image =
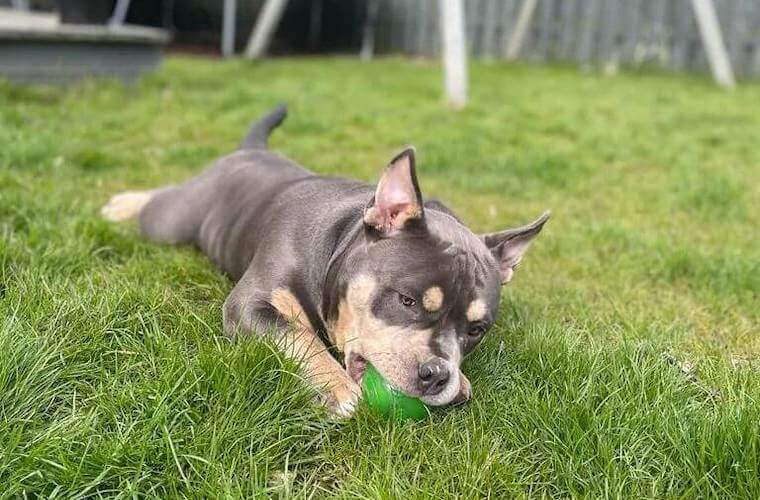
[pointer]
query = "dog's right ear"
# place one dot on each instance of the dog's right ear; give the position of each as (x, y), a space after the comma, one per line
(398, 200)
(508, 247)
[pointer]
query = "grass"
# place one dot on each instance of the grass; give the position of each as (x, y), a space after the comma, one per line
(624, 362)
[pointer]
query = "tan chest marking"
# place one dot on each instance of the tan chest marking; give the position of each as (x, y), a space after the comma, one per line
(288, 305)
(355, 304)
(341, 329)
(476, 311)
(303, 345)
(432, 299)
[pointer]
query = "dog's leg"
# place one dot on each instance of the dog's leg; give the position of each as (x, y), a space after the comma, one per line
(126, 205)
(171, 214)
(340, 393)
(243, 314)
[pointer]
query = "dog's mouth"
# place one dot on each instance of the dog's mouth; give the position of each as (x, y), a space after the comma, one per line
(356, 365)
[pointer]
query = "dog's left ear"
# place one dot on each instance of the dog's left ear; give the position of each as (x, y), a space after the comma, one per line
(398, 200)
(508, 247)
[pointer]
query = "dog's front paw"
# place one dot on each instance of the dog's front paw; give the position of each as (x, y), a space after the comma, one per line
(342, 397)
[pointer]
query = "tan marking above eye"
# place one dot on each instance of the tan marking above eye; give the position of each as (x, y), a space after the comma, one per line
(432, 299)
(476, 311)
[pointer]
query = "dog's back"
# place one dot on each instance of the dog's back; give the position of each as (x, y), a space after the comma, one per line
(258, 204)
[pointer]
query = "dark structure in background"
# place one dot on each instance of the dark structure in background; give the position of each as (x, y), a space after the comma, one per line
(84, 12)
(74, 42)
(607, 33)
(610, 33)
(307, 26)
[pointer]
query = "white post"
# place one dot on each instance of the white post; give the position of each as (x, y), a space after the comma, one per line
(228, 28)
(266, 24)
(712, 39)
(521, 29)
(454, 53)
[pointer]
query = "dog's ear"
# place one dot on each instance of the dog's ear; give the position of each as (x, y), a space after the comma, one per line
(508, 247)
(397, 201)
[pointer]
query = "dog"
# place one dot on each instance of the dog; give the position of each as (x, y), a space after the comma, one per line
(332, 266)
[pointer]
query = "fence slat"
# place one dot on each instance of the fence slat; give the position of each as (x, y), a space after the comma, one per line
(588, 32)
(410, 22)
(435, 38)
(545, 29)
(608, 34)
(569, 29)
(734, 27)
(488, 33)
(507, 21)
(470, 18)
(420, 25)
(754, 41)
(754, 69)
(632, 28)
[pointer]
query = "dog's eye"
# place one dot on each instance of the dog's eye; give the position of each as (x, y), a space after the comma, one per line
(406, 301)
(476, 331)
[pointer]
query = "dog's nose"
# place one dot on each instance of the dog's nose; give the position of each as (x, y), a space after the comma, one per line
(434, 375)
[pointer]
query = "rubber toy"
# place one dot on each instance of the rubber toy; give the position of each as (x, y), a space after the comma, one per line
(389, 402)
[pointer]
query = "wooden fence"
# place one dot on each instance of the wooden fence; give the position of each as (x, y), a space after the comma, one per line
(607, 33)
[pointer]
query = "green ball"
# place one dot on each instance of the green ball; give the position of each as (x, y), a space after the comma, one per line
(389, 402)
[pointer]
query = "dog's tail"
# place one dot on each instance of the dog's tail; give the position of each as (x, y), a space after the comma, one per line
(261, 129)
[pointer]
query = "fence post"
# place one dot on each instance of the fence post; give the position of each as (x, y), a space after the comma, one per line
(454, 54)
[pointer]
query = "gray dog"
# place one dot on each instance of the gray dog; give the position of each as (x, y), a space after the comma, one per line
(374, 272)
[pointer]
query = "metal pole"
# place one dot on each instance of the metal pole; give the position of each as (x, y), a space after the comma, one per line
(712, 39)
(119, 13)
(521, 29)
(266, 24)
(228, 28)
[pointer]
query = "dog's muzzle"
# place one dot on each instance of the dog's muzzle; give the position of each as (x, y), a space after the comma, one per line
(441, 383)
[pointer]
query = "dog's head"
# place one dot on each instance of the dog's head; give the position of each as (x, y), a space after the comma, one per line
(423, 290)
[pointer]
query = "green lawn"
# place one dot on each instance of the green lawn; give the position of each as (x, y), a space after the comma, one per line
(624, 362)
